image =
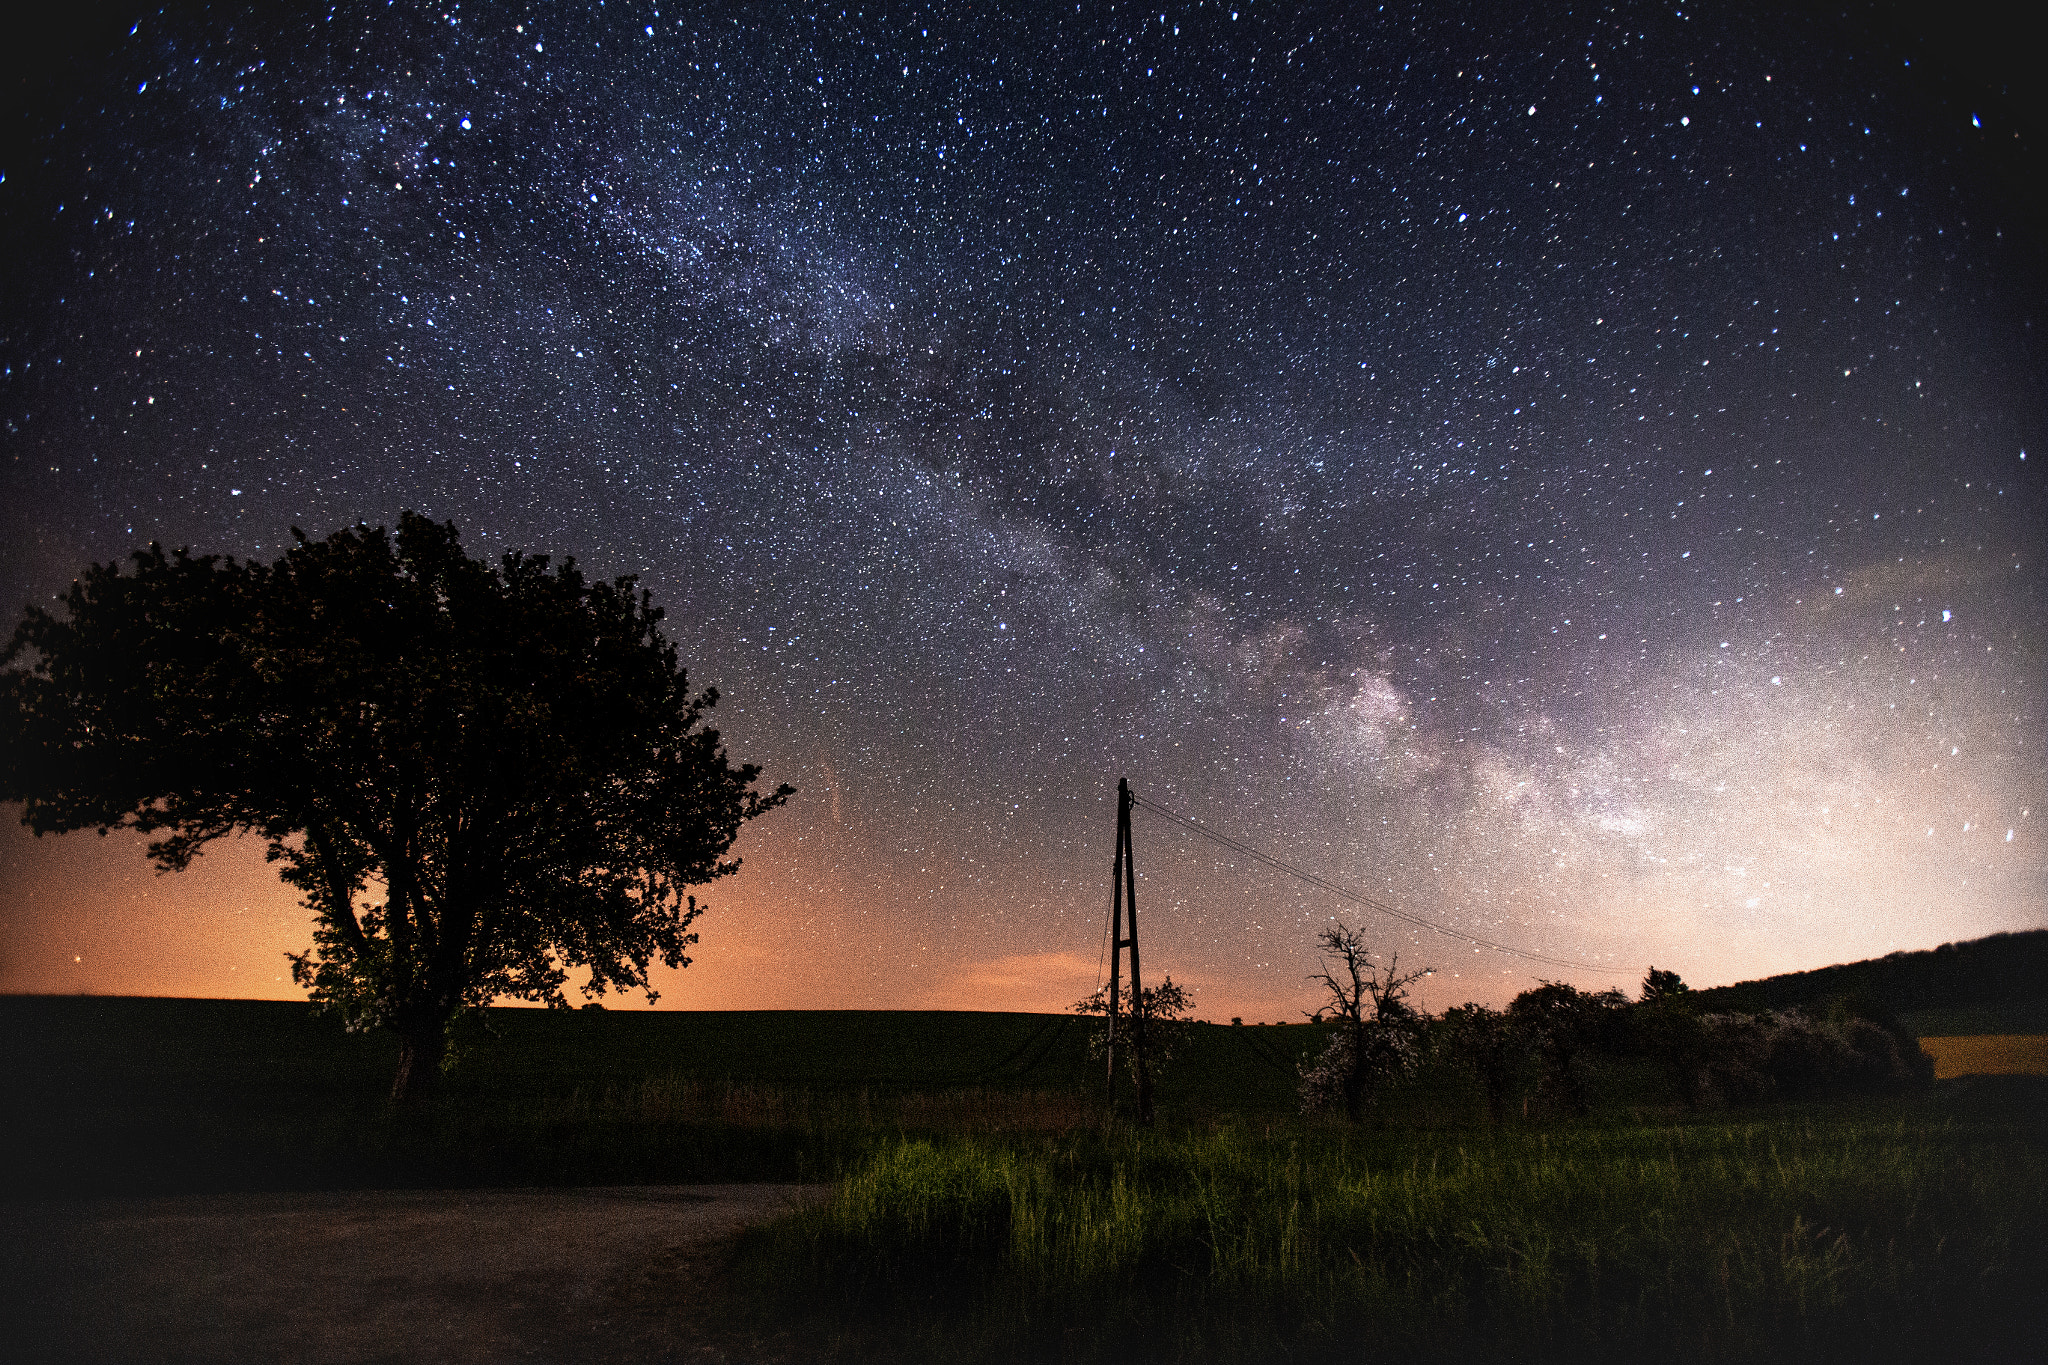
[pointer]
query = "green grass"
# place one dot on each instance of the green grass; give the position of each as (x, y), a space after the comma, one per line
(1820, 1236)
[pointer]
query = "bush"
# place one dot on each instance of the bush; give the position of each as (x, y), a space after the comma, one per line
(1786, 1054)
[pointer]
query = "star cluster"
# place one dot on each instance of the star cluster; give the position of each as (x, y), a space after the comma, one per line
(1563, 475)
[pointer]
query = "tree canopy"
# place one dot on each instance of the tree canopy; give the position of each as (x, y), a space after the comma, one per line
(482, 778)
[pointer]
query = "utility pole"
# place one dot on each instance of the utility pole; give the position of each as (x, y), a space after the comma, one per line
(1123, 902)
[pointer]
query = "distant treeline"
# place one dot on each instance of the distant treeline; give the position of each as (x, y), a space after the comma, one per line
(1981, 971)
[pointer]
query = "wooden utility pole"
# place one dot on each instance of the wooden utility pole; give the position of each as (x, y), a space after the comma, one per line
(1123, 909)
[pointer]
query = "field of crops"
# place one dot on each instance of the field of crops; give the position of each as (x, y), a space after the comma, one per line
(1993, 1054)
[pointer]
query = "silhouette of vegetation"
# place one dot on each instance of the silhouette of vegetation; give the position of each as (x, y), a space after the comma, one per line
(1659, 987)
(1554, 1042)
(1377, 1035)
(1164, 1008)
(1786, 1054)
(1665, 1027)
(483, 778)
(985, 1213)
(1491, 1046)
(1994, 968)
(1569, 1027)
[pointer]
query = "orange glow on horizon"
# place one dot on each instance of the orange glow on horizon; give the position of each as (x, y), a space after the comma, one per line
(805, 925)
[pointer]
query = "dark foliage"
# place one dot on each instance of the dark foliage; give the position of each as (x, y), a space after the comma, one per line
(1555, 1046)
(1491, 1045)
(1994, 968)
(1664, 1026)
(508, 756)
(1163, 1008)
(1568, 1027)
(1659, 987)
(1855, 1045)
(1786, 1054)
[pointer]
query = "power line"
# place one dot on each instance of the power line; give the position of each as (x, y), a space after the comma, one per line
(1237, 846)
(1102, 954)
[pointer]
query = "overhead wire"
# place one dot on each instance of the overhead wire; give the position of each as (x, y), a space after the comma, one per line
(1344, 893)
(1102, 954)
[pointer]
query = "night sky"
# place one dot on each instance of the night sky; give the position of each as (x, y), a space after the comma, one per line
(1575, 479)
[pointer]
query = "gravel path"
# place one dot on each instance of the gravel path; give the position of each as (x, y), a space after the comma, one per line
(621, 1274)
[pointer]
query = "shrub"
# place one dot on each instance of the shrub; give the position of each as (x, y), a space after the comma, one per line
(1786, 1053)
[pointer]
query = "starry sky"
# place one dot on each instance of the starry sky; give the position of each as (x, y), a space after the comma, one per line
(1574, 477)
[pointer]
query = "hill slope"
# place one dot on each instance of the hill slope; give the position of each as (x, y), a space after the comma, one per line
(1985, 985)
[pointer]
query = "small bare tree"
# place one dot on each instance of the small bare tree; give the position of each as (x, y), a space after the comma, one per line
(1378, 1038)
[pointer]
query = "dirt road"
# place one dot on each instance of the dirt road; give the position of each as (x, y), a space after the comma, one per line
(616, 1275)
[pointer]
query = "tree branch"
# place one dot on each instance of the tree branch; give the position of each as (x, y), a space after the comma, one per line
(339, 896)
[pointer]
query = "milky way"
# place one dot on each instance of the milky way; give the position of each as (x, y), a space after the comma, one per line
(1576, 480)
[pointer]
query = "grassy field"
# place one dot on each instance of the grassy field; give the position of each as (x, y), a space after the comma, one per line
(986, 1210)
(1809, 1236)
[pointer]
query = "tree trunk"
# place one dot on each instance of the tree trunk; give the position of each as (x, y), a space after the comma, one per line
(1496, 1082)
(1354, 1076)
(420, 1051)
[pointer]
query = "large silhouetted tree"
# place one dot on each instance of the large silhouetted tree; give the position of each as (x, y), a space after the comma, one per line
(1665, 1027)
(1489, 1044)
(483, 777)
(1568, 1026)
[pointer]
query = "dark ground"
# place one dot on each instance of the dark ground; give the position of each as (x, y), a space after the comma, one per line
(439, 1277)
